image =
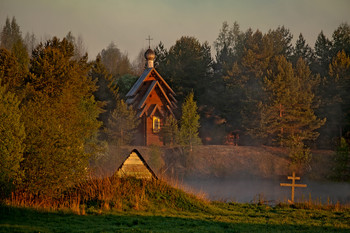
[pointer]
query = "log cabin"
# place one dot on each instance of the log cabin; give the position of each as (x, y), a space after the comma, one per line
(154, 100)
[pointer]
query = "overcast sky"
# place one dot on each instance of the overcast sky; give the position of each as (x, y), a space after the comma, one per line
(129, 22)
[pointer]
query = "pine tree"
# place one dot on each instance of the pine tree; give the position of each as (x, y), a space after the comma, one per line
(289, 111)
(160, 61)
(288, 115)
(186, 66)
(323, 54)
(339, 80)
(341, 39)
(188, 135)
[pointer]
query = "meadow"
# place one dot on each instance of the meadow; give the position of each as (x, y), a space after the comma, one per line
(154, 206)
(220, 218)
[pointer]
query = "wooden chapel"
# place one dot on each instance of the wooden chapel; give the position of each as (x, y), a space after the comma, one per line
(153, 100)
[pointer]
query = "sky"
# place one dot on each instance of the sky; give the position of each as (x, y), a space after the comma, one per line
(128, 23)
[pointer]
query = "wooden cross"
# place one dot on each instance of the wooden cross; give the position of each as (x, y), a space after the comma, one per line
(293, 185)
(149, 41)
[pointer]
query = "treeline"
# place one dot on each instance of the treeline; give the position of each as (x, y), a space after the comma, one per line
(58, 110)
(260, 83)
(263, 89)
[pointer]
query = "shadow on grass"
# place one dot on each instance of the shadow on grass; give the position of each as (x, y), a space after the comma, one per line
(28, 220)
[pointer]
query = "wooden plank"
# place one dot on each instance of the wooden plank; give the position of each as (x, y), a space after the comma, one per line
(293, 185)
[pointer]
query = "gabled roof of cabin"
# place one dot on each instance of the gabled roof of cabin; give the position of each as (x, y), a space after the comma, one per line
(146, 73)
(144, 163)
(142, 89)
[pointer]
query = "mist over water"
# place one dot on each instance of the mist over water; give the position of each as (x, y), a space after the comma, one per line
(247, 190)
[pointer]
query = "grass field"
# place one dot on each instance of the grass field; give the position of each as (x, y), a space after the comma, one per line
(215, 217)
(131, 205)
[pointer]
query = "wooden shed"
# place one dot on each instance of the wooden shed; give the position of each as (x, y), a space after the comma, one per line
(135, 166)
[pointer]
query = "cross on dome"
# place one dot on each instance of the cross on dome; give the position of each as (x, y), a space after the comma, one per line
(149, 41)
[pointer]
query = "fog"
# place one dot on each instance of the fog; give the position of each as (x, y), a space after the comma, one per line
(248, 190)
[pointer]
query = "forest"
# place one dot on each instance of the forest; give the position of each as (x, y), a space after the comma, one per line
(60, 109)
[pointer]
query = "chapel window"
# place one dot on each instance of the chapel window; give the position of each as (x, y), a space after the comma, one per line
(156, 124)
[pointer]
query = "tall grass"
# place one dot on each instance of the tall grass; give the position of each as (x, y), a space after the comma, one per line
(96, 195)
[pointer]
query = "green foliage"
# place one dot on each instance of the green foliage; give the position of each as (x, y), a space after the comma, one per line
(281, 39)
(125, 83)
(302, 50)
(12, 135)
(156, 161)
(288, 115)
(339, 72)
(79, 48)
(160, 61)
(335, 95)
(188, 135)
(10, 34)
(10, 74)
(122, 124)
(30, 42)
(116, 63)
(60, 117)
(342, 162)
(298, 153)
(186, 65)
(11, 39)
(170, 131)
(107, 92)
(323, 55)
(289, 111)
(341, 39)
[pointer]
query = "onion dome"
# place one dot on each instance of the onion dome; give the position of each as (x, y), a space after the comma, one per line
(150, 56)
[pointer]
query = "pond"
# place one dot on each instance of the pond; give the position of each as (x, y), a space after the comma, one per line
(250, 189)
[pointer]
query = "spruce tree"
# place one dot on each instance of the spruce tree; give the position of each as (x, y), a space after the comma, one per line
(323, 54)
(188, 135)
(302, 50)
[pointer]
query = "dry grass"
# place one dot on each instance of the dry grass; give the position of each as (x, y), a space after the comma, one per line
(96, 195)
